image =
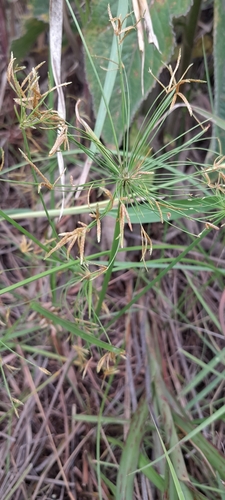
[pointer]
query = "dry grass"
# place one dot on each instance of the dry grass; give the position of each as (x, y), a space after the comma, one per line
(67, 407)
(48, 444)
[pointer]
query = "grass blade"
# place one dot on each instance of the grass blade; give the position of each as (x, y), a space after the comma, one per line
(72, 328)
(130, 454)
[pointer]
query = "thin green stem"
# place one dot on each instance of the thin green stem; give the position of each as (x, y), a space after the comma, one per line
(21, 229)
(155, 280)
(113, 254)
(30, 214)
(51, 223)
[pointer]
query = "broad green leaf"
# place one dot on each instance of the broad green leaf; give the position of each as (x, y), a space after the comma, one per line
(98, 35)
(181, 208)
(39, 9)
(22, 46)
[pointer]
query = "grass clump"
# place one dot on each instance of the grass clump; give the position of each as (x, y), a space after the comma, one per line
(103, 394)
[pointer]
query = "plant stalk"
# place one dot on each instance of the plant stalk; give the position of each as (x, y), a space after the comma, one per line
(113, 254)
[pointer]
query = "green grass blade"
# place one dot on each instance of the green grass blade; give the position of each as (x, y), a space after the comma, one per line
(21, 229)
(72, 328)
(151, 473)
(35, 277)
(14, 487)
(213, 456)
(130, 454)
(175, 461)
(157, 279)
(206, 370)
(213, 117)
(203, 303)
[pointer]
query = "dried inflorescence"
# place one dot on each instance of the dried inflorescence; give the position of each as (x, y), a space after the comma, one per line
(78, 236)
(219, 168)
(174, 86)
(31, 101)
(117, 25)
(3, 159)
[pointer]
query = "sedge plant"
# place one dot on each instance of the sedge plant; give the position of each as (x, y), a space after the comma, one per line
(143, 180)
(139, 184)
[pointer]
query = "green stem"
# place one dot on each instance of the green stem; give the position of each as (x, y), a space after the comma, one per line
(113, 254)
(30, 214)
(54, 233)
(155, 280)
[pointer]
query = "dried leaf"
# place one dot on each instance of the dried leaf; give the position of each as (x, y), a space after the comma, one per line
(96, 216)
(117, 25)
(3, 158)
(141, 11)
(160, 211)
(146, 243)
(144, 11)
(174, 86)
(209, 225)
(25, 245)
(56, 23)
(123, 214)
(46, 182)
(77, 235)
(84, 123)
(61, 139)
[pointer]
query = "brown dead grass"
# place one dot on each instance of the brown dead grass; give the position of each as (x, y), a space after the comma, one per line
(44, 449)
